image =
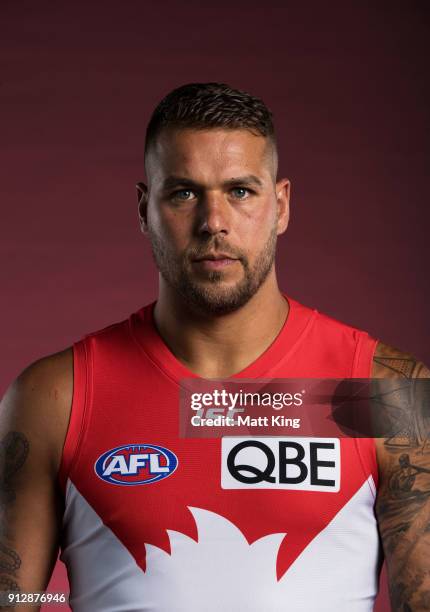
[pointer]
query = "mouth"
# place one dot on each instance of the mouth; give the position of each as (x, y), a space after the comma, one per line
(215, 261)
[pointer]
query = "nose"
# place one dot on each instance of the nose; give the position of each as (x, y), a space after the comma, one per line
(213, 214)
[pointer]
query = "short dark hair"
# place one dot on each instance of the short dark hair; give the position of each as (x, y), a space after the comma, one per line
(210, 105)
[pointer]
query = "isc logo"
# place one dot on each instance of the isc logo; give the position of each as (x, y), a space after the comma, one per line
(309, 464)
(136, 464)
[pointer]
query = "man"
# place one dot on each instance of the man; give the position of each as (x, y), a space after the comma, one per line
(79, 424)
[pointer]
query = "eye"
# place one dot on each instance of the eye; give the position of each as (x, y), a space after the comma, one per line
(240, 193)
(183, 194)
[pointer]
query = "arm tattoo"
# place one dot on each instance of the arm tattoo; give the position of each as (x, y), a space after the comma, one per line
(13, 453)
(406, 405)
(408, 368)
(403, 502)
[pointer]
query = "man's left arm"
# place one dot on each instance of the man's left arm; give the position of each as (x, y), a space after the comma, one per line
(403, 500)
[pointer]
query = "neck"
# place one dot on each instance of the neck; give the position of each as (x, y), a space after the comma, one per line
(220, 346)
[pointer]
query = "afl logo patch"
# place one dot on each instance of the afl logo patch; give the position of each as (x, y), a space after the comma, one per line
(136, 464)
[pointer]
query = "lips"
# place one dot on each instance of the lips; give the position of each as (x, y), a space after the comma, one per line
(215, 257)
(214, 261)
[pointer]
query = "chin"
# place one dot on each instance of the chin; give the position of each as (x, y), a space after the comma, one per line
(217, 300)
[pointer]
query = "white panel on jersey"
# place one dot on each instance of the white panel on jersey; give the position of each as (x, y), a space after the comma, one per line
(337, 570)
(303, 464)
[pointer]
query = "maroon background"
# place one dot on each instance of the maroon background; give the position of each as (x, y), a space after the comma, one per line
(349, 88)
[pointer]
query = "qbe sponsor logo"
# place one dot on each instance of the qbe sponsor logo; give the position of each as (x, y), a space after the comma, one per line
(304, 464)
(136, 464)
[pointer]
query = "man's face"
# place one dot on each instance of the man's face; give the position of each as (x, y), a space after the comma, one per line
(213, 211)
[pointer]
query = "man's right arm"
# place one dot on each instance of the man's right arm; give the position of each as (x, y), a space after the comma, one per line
(34, 416)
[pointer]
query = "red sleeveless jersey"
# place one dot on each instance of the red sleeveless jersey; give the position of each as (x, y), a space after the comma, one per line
(180, 541)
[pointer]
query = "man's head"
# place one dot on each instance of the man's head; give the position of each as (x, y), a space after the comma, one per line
(211, 163)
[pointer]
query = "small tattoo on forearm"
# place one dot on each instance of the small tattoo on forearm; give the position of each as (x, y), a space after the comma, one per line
(14, 450)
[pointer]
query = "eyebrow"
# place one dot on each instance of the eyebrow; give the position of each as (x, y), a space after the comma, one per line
(250, 179)
(175, 181)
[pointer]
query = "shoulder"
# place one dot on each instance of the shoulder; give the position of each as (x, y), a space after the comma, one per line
(402, 409)
(37, 405)
(329, 329)
(49, 379)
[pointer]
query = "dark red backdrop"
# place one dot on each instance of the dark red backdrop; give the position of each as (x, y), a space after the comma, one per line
(348, 84)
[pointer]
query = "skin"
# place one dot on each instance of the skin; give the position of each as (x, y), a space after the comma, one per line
(214, 207)
(403, 500)
(211, 333)
(33, 421)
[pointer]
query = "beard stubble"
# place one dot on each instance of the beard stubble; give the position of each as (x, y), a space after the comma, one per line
(209, 297)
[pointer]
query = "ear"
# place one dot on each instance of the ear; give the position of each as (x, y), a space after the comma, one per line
(283, 187)
(142, 200)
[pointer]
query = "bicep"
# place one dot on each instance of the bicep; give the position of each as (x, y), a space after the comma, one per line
(29, 516)
(30, 502)
(403, 501)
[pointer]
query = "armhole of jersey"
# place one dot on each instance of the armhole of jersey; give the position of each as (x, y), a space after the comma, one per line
(364, 351)
(81, 390)
(362, 368)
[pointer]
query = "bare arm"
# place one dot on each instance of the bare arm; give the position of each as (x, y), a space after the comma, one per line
(403, 500)
(34, 415)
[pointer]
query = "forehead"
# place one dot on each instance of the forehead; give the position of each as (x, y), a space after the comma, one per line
(209, 154)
